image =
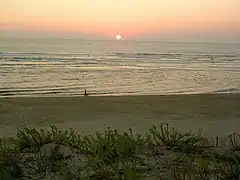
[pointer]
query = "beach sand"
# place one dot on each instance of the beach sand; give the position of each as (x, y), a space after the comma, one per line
(215, 114)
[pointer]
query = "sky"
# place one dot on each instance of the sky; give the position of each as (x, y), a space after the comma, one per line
(217, 20)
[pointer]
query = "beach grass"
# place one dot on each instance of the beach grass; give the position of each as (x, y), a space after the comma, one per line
(161, 153)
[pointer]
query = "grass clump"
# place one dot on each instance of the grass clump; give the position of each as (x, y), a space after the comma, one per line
(162, 153)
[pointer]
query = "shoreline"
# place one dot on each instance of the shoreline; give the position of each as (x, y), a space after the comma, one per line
(59, 95)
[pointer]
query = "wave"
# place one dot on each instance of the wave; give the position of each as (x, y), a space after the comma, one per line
(228, 90)
(55, 59)
(27, 92)
(7, 91)
(40, 53)
(119, 53)
(47, 56)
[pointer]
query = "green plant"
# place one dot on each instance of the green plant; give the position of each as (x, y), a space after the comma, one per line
(163, 152)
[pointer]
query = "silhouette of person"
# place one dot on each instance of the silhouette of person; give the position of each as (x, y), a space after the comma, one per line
(85, 93)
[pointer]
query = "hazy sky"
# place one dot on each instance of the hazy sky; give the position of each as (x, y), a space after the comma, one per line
(133, 19)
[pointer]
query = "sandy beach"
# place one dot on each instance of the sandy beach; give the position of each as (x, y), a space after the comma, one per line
(215, 114)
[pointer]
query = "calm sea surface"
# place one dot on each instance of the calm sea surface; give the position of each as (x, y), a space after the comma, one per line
(56, 67)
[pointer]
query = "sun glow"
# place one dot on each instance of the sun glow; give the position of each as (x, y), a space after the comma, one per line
(123, 20)
(118, 37)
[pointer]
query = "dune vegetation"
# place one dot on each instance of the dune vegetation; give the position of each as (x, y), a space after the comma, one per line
(161, 153)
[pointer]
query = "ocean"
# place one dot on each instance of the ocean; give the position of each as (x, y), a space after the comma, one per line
(65, 67)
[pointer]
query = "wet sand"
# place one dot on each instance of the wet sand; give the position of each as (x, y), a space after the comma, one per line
(215, 114)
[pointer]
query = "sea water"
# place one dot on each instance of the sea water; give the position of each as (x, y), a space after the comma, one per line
(63, 67)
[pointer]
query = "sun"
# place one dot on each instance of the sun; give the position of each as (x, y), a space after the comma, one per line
(118, 37)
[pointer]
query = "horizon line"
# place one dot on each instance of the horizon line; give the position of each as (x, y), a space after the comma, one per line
(123, 40)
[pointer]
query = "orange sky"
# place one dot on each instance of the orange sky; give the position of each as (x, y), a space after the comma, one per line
(131, 18)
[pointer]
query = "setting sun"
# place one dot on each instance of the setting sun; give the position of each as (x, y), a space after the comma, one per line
(118, 37)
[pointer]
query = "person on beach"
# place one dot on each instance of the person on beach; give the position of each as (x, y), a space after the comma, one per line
(85, 93)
